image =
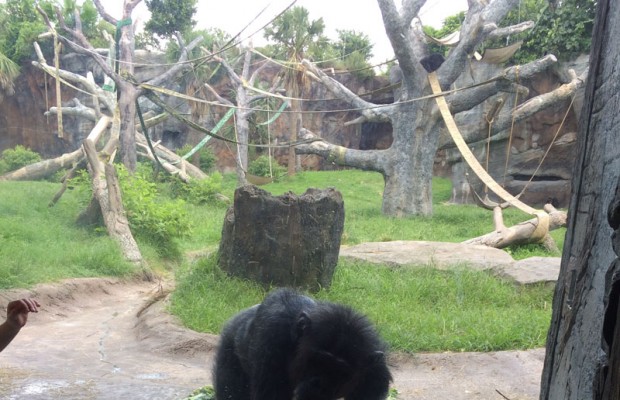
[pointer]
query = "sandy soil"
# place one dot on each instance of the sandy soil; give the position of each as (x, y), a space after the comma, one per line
(108, 339)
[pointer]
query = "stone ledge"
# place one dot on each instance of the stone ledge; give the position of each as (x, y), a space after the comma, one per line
(445, 255)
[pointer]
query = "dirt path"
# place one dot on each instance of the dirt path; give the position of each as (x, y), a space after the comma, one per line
(105, 339)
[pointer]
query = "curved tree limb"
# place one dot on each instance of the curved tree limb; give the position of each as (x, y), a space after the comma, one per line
(540, 102)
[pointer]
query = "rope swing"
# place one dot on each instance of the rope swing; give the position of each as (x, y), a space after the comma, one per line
(431, 64)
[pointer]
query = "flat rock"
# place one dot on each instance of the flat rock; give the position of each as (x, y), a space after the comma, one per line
(444, 255)
(419, 253)
(533, 269)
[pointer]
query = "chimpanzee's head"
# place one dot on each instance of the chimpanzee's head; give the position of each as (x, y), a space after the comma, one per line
(336, 348)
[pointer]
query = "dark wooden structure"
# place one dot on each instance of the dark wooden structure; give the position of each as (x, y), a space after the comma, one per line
(583, 345)
(286, 240)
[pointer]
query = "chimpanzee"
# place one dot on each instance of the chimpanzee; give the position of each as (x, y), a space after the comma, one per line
(293, 347)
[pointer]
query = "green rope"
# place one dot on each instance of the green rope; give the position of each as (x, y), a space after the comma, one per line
(278, 113)
(217, 127)
(155, 99)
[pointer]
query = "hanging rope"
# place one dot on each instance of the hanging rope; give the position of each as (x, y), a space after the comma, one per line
(490, 118)
(117, 40)
(549, 148)
(148, 138)
(512, 125)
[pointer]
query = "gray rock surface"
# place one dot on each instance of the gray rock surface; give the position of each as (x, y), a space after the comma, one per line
(444, 255)
(533, 269)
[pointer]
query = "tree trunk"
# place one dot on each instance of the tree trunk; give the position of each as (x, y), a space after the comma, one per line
(577, 363)
(407, 166)
(107, 192)
(242, 126)
(43, 168)
(294, 123)
(127, 107)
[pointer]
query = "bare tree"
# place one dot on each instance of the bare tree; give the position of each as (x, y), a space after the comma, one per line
(407, 166)
(244, 101)
(108, 110)
(123, 72)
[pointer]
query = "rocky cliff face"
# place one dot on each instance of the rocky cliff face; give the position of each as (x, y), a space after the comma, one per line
(22, 121)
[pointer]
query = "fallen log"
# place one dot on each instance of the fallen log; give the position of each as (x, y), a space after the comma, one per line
(522, 233)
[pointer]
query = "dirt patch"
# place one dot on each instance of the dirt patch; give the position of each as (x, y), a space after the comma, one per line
(112, 339)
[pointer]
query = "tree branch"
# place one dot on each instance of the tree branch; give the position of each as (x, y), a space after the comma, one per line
(229, 69)
(89, 86)
(500, 33)
(179, 67)
(369, 111)
(104, 14)
(83, 45)
(408, 43)
(363, 159)
(217, 95)
(411, 8)
(540, 102)
(466, 99)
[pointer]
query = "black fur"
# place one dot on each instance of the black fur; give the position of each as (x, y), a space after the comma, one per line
(292, 347)
(432, 63)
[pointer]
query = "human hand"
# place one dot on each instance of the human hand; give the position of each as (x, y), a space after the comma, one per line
(17, 311)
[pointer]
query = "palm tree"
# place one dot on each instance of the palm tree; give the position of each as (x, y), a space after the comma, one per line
(8, 72)
(295, 33)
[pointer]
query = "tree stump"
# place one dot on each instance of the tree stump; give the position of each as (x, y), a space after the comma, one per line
(287, 240)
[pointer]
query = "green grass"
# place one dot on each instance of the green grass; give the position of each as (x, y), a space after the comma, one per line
(42, 244)
(416, 309)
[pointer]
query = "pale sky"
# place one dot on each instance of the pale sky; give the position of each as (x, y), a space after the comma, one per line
(359, 15)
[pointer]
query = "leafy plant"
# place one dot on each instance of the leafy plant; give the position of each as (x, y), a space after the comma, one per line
(22, 25)
(206, 157)
(151, 217)
(204, 393)
(563, 29)
(267, 166)
(170, 16)
(198, 191)
(450, 25)
(17, 157)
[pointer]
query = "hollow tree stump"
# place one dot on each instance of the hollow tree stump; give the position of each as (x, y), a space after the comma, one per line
(286, 240)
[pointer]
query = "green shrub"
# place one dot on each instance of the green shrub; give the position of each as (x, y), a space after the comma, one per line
(151, 217)
(206, 160)
(20, 156)
(260, 167)
(198, 191)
